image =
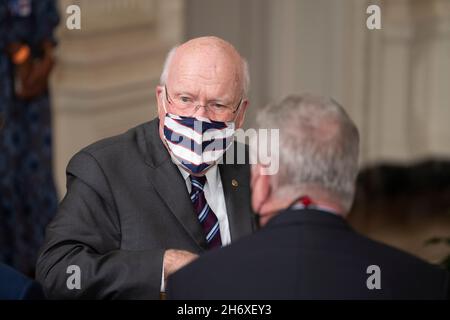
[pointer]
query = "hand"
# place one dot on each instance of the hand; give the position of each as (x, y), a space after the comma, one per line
(175, 260)
(34, 77)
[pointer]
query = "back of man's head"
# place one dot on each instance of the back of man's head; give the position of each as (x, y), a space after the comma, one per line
(318, 149)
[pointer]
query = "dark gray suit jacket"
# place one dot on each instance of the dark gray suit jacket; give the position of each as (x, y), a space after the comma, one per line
(126, 203)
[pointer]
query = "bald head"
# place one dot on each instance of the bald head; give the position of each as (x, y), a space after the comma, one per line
(208, 59)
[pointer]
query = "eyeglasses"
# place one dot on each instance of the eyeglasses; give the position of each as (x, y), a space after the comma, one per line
(186, 103)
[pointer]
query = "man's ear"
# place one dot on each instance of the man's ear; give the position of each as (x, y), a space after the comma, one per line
(260, 185)
(241, 114)
(159, 92)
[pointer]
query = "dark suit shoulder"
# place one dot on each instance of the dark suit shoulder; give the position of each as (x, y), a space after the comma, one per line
(336, 238)
(114, 153)
(111, 160)
(401, 266)
(118, 142)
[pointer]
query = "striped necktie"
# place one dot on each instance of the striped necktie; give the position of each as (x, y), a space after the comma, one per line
(206, 216)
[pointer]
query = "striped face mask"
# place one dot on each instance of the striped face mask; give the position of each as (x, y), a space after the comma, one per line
(197, 143)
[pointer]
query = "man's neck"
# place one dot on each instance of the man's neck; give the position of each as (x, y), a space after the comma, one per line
(324, 205)
(320, 199)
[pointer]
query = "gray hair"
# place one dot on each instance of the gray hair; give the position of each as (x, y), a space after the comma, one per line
(245, 72)
(319, 145)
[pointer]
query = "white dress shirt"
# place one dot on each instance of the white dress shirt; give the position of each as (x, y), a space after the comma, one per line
(215, 198)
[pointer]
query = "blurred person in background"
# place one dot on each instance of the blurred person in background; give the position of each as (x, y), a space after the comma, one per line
(28, 197)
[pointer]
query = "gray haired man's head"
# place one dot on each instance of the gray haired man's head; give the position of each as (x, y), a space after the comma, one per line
(318, 149)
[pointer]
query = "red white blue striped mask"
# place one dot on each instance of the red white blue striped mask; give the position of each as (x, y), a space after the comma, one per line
(197, 143)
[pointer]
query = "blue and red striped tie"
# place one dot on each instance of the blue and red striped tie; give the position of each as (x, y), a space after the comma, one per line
(206, 216)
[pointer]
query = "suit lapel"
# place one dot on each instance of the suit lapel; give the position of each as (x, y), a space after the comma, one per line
(170, 185)
(236, 187)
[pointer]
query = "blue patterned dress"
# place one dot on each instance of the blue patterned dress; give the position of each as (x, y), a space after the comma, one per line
(28, 198)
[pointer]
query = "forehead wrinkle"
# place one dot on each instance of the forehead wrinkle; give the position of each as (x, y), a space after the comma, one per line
(218, 57)
(215, 77)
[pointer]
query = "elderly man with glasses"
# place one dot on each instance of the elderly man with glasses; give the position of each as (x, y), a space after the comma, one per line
(141, 205)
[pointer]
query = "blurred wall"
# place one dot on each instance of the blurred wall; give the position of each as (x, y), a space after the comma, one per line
(104, 82)
(393, 81)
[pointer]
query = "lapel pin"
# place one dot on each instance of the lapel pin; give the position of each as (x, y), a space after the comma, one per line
(234, 183)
